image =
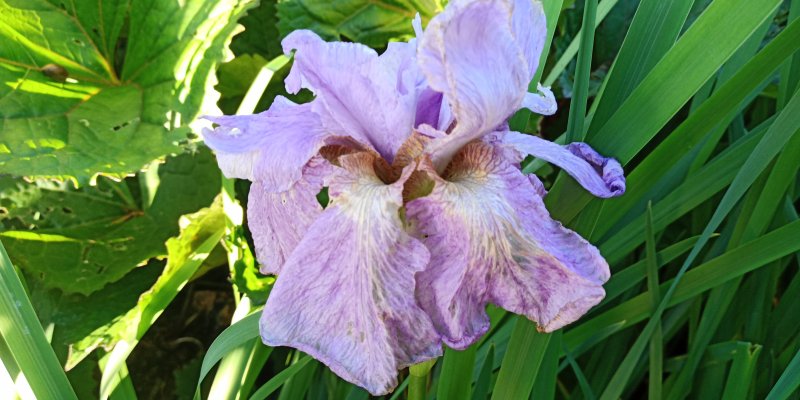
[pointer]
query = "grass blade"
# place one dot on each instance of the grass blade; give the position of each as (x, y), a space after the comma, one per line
(200, 233)
(741, 374)
(22, 332)
(653, 31)
(279, 379)
(234, 366)
(788, 382)
(521, 362)
(688, 195)
(580, 96)
(784, 128)
(232, 337)
(626, 279)
(455, 379)
(739, 261)
(719, 110)
(544, 388)
(657, 341)
(418, 379)
(586, 388)
(484, 381)
(603, 9)
(790, 73)
(659, 96)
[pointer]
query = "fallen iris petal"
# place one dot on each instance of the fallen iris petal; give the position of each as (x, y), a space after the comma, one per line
(492, 240)
(347, 298)
(601, 176)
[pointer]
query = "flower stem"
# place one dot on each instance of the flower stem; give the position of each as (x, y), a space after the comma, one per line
(418, 379)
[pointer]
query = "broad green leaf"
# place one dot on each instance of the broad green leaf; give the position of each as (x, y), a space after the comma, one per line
(371, 22)
(97, 234)
(200, 233)
(76, 317)
(260, 36)
(22, 332)
(110, 116)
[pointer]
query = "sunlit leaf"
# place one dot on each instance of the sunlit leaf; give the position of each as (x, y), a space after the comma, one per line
(373, 23)
(81, 95)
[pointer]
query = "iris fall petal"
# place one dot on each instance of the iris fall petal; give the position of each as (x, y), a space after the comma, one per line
(601, 176)
(492, 241)
(346, 293)
(278, 221)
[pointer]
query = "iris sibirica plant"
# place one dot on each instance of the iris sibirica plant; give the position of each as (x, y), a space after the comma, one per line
(430, 217)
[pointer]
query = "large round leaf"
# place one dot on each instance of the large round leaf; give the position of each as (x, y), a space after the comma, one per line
(104, 86)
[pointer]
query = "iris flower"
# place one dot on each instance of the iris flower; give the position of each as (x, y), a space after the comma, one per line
(430, 217)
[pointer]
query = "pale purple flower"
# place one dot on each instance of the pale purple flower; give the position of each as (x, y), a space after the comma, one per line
(430, 217)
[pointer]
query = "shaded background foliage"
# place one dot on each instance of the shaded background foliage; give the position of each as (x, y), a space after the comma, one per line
(114, 213)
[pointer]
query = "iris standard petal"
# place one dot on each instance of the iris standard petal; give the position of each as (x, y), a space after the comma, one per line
(530, 31)
(359, 94)
(278, 221)
(471, 53)
(346, 294)
(601, 176)
(429, 108)
(492, 240)
(272, 147)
